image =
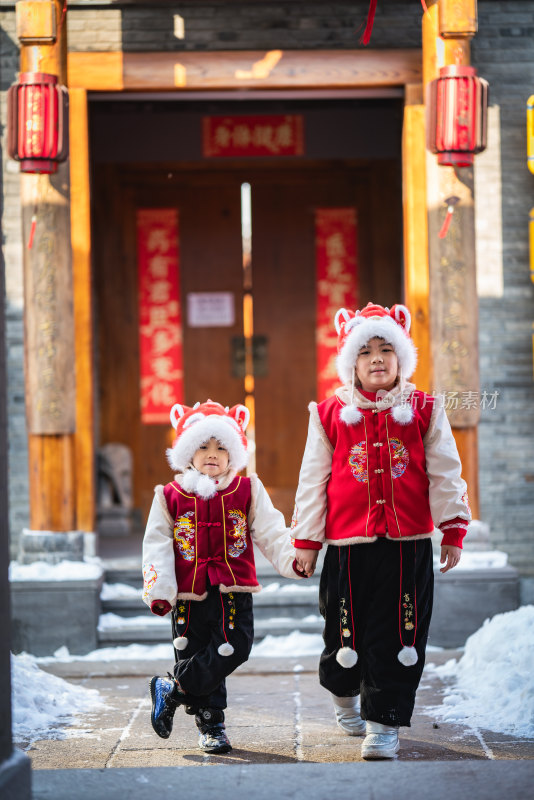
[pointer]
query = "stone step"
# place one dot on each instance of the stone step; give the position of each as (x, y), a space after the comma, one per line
(154, 630)
(288, 597)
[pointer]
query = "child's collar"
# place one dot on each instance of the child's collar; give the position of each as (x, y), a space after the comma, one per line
(388, 400)
(204, 486)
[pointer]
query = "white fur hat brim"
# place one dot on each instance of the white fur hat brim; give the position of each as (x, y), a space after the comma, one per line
(198, 433)
(366, 329)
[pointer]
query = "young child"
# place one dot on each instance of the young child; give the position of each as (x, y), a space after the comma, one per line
(198, 563)
(380, 470)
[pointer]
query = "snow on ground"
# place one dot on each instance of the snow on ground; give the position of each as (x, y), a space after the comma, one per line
(43, 704)
(493, 685)
(116, 591)
(294, 644)
(110, 620)
(479, 559)
(90, 569)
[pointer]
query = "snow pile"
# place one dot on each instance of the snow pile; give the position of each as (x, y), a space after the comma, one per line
(494, 679)
(290, 588)
(130, 652)
(63, 571)
(118, 591)
(292, 645)
(115, 621)
(43, 704)
(483, 559)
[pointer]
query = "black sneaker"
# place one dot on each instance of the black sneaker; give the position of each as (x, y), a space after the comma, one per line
(165, 700)
(212, 736)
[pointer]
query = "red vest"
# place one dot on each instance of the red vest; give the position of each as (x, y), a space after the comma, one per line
(379, 484)
(212, 538)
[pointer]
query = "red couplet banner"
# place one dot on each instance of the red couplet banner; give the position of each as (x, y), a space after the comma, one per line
(337, 286)
(160, 318)
(258, 135)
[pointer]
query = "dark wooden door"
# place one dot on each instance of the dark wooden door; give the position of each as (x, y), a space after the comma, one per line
(283, 290)
(210, 261)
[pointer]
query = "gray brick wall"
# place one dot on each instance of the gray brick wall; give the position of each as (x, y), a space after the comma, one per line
(12, 256)
(503, 53)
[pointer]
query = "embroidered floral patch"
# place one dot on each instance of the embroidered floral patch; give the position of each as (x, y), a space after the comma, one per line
(239, 533)
(399, 457)
(358, 462)
(344, 618)
(150, 577)
(408, 612)
(358, 459)
(184, 535)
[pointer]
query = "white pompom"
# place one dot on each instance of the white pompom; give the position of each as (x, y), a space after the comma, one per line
(225, 649)
(189, 480)
(206, 487)
(402, 414)
(347, 657)
(181, 642)
(350, 415)
(408, 656)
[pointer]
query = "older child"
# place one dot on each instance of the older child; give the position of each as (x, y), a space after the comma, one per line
(198, 563)
(379, 472)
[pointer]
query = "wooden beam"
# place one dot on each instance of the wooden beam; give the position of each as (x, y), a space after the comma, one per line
(416, 279)
(275, 69)
(84, 443)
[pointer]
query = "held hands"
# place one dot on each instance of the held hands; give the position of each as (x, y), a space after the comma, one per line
(450, 556)
(306, 559)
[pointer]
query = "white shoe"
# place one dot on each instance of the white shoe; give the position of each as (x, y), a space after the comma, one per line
(381, 741)
(347, 710)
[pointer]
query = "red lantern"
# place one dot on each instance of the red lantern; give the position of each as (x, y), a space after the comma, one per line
(457, 116)
(37, 130)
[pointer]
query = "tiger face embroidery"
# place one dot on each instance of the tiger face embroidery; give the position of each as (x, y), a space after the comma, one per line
(184, 535)
(358, 459)
(238, 534)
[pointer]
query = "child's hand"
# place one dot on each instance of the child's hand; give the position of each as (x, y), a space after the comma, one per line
(306, 559)
(450, 556)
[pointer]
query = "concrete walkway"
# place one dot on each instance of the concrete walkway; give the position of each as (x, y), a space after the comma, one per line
(285, 743)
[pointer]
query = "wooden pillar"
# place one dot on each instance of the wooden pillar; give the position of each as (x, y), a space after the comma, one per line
(84, 449)
(447, 30)
(49, 329)
(416, 279)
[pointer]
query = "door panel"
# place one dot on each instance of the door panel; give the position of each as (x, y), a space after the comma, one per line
(284, 286)
(210, 261)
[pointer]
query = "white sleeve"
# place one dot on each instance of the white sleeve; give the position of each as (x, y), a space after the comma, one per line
(310, 503)
(159, 576)
(447, 489)
(269, 530)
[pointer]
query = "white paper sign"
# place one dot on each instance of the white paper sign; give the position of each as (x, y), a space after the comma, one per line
(210, 309)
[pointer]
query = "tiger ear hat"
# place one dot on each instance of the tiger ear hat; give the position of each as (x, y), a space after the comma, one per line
(355, 329)
(196, 426)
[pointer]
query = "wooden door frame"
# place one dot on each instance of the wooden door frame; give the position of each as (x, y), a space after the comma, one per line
(232, 71)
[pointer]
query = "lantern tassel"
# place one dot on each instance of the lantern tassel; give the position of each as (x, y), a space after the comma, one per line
(32, 231)
(366, 37)
(451, 202)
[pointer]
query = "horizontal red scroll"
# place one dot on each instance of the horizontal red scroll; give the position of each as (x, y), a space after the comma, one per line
(258, 135)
